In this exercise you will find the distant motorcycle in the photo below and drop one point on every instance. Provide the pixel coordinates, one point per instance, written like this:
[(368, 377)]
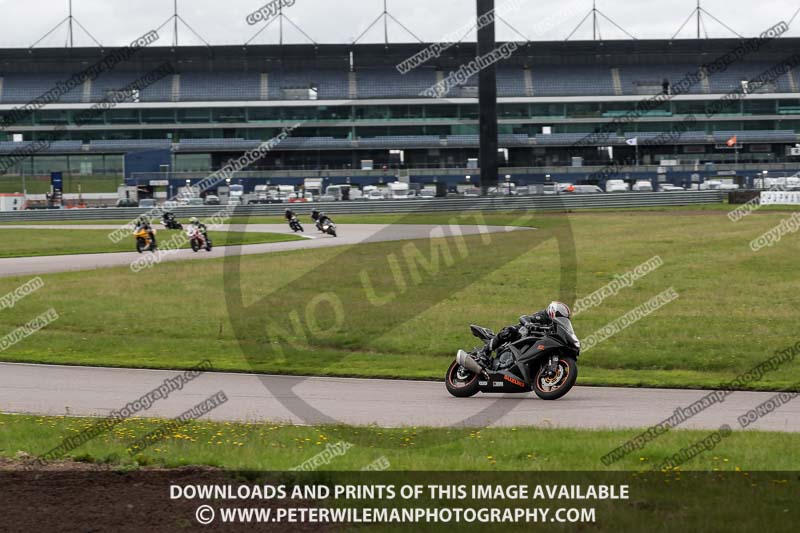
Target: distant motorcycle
[(171, 223), (295, 225), (144, 243), (543, 360), (198, 239), (327, 226)]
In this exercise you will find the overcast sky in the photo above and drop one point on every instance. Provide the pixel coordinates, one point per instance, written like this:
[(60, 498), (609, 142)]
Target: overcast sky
[(117, 22)]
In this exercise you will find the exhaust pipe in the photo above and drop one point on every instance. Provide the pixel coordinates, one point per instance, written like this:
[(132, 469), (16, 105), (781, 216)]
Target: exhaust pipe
[(464, 359)]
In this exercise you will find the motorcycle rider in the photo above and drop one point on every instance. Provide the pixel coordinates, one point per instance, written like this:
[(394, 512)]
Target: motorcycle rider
[(538, 320), (290, 215), (144, 224), (199, 225), (169, 220), (320, 218)]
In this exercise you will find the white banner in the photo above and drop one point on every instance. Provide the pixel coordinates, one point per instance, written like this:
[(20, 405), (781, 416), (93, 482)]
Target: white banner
[(780, 198)]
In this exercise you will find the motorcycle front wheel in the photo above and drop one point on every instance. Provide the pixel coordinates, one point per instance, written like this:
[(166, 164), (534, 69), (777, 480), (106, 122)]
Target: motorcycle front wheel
[(141, 245), (460, 382), (195, 245), (553, 388)]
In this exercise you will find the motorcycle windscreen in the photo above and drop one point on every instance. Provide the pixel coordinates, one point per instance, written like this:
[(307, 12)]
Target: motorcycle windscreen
[(565, 325)]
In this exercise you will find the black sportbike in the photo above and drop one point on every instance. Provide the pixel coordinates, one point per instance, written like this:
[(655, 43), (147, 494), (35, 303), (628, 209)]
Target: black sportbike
[(542, 360), (171, 223), (295, 225)]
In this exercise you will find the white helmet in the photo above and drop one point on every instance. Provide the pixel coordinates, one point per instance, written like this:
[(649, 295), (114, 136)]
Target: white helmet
[(558, 309)]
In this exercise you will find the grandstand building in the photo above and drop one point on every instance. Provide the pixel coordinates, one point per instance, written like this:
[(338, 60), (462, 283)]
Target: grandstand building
[(352, 104)]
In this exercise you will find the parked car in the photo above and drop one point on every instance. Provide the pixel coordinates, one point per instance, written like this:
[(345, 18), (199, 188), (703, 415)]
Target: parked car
[(147, 203), (670, 188), (170, 204), (616, 186), (212, 200), (127, 202), (375, 194), (643, 186)]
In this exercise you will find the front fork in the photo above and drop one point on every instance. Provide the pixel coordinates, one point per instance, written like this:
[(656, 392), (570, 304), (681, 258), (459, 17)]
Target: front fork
[(551, 369)]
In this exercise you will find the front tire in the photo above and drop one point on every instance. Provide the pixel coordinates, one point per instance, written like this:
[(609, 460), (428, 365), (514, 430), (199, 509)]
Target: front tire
[(460, 382), (559, 385), (140, 245), (195, 246)]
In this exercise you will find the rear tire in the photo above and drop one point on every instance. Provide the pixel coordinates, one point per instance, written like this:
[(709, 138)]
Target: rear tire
[(461, 388), (568, 368)]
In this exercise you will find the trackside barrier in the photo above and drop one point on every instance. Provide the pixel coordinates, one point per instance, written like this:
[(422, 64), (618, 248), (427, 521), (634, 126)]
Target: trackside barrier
[(536, 203)]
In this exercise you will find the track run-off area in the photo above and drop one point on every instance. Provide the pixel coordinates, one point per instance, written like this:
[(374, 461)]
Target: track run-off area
[(89, 391)]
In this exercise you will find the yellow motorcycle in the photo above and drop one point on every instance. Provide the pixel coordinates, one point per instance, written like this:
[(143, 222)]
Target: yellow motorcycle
[(144, 243)]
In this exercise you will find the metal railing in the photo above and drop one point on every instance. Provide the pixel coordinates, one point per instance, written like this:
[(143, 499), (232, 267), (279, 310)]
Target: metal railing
[(536, 203)]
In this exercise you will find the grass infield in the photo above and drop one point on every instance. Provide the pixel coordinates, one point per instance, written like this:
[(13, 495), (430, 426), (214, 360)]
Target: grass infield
[(735, 307)]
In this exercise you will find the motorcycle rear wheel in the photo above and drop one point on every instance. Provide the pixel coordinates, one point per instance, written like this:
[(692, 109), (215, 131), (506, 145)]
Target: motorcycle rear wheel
[(458, 387), (561, 384)]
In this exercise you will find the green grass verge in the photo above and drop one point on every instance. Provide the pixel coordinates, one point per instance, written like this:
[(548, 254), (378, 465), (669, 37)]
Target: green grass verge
[(36, 242), (269, 446), (735, 308), (72, 184)]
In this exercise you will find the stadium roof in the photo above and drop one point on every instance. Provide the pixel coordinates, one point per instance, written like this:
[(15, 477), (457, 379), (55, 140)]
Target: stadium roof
[(265, 57)]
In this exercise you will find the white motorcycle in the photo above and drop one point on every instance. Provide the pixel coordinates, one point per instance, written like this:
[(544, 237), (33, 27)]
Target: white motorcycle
[(198, 239)]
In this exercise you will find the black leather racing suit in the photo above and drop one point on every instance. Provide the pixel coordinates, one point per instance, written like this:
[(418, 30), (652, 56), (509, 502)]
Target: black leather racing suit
[(150, 232), (512, 333), (322, 219)]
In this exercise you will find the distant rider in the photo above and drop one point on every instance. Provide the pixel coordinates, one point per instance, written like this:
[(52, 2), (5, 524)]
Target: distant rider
[(538, 320), (144, 224), (320, 218), (169, 219), (290, 215), (199, 225)]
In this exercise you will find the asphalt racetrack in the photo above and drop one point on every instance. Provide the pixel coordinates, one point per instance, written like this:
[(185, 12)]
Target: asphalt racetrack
[(348, 234), (88, 391)]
